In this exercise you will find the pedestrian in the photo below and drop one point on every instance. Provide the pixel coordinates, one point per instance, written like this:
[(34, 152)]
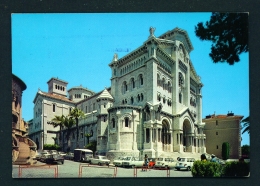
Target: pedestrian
[(145, 161), (213, 158), (203, 157)]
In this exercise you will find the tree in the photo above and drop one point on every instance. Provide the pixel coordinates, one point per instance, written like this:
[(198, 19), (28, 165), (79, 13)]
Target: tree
[(246, 125), (58, 121), (69, 122), (228, 33), (245, 150), (77, 114), (225, 150), (88, 135)]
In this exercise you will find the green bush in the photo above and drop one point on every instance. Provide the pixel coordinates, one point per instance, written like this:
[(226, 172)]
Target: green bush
[(51, 147), (225, 150), (206, 169), (237, 169)]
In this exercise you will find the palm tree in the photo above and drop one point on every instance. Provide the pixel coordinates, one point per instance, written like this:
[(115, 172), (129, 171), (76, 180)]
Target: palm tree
[(246, 125), (58, 121), (69, 122), (77, 114)]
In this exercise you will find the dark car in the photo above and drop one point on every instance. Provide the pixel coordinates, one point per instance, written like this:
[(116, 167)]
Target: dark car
[(43, 157), (69, 156), (54, 158)]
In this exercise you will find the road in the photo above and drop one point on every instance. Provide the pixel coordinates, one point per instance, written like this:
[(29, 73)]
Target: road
[(70, 169)]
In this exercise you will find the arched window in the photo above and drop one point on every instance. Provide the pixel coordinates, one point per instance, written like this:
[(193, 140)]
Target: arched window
[(138, 97), (53, 108), (163, 83), (132, 100), (158, 80), (133, 83), (55, 86), (181, 79), (123, 102), (124, 87), (169, 87), (113, 123), (127, 122), (142, 97), (141, 80), (180, 97)]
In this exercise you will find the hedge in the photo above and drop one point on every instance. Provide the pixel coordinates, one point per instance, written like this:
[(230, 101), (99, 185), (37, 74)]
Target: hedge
[(206, 169), (213, 169), (237, 169)]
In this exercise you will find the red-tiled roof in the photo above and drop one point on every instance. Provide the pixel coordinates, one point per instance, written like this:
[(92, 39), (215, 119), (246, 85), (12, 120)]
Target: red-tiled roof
[(56, 96), (222, 116)]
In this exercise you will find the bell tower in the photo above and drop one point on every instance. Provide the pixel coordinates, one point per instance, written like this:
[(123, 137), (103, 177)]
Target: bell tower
[(57, 86)]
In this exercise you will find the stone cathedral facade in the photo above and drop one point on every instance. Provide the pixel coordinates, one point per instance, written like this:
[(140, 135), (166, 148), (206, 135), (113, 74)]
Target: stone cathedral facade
[(154, 104)]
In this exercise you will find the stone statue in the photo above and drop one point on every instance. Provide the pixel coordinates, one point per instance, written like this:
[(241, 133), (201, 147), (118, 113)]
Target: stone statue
[(152, 29), (115, 57)]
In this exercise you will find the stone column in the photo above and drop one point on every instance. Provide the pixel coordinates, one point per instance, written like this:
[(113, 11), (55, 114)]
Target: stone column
[(145, 135), (118, 145), (151, 135)]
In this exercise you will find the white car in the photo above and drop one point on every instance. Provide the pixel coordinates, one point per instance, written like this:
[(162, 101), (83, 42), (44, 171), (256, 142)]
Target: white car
[(99, 160), (165, 162), (185, 163), (118, 162), (62, 153)]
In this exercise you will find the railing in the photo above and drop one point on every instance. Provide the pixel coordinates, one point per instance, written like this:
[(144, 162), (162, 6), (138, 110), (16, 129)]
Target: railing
[(82, 165), (144, 168), (55, 167)]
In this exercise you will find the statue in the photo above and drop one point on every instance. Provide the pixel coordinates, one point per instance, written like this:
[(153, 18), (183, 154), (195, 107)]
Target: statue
[(115, 57), (152, 29)]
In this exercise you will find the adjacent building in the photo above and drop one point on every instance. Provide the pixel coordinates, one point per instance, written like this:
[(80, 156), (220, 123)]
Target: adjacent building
[(220, 129), (23, 148), (154, 104)]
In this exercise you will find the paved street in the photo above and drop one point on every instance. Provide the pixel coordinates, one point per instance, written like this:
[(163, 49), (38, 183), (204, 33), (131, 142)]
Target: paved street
[(70, 169)]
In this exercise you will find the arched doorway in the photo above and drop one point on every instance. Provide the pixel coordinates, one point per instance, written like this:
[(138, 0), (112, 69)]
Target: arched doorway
[(187, 136), (166, 136)]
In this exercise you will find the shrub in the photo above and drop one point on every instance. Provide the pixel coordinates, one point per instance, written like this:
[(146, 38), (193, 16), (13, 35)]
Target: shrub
[(206, 169), (225, 150), (51, 147), (237, 169)]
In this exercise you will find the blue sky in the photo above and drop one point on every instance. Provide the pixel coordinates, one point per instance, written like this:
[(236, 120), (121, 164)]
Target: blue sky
[(77, 48)]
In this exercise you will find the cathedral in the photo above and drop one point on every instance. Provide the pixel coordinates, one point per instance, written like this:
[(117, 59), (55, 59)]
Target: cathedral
[(153, 106)]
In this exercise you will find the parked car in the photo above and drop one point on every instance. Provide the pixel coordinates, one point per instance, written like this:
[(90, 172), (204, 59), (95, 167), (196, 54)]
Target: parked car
[(62, 153), (53, 152), (165, 162), (99, 160), (69, 156), (40, 153), (54, 158), (118, 162), (185, 163), (132, 162), (43, 157)]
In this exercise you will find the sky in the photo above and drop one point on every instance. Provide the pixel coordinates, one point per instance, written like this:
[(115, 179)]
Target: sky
[(77, 48)]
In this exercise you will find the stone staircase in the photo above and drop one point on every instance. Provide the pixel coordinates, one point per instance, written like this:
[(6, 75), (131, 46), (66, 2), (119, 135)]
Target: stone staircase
[(26, 151)]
